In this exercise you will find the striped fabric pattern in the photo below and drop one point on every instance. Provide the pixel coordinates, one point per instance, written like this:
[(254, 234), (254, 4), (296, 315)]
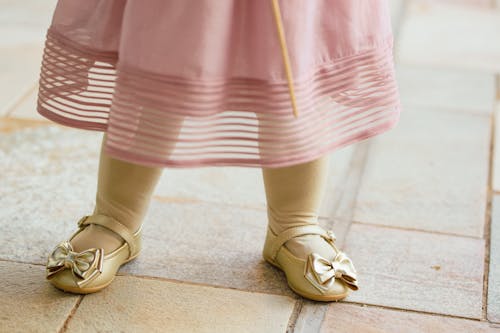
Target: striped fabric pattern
[(160, 120)]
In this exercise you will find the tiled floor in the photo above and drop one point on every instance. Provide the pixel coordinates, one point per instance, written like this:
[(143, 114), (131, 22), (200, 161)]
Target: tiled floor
[(417, 209)]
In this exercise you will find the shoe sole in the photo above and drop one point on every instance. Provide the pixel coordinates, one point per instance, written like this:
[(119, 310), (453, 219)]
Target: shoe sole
[(93, 289), (320, 298)]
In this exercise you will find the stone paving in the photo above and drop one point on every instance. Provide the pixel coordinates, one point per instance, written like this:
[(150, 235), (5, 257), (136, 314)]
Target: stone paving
[(417, 208)]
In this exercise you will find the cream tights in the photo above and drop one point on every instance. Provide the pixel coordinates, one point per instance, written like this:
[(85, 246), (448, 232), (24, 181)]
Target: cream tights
[(294, 195), (124, 191)]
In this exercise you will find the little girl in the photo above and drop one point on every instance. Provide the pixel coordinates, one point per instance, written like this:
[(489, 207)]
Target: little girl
[(275, 84)]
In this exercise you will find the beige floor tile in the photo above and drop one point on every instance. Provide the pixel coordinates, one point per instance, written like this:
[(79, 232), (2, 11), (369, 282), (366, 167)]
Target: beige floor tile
[(11, 124), (49, 177), (348, 318), (397, 11), (417, 270), (475, 3), (231, 185), (133, 304), (496, 151), (29, 303), (498, 88), (311, 316), (24, 21), (244, 186), (212, 244), (23, 26), (26, 107), (450, 35), (494, 268), (48, 180), (430, 173), (450, 89), (20, 67)]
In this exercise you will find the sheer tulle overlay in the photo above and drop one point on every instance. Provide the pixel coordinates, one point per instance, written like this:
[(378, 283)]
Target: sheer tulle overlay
[(186, 83)]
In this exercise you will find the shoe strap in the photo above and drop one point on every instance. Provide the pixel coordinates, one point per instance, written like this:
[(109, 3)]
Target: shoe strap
[(292, 232), (113, 225)]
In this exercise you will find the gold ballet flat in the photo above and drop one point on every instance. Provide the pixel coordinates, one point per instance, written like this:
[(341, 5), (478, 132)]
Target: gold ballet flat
[(91, 270), (316, 278)]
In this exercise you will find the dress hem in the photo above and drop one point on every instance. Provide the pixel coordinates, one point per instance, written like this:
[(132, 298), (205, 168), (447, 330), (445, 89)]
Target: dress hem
[(142, 160), (83, 88)]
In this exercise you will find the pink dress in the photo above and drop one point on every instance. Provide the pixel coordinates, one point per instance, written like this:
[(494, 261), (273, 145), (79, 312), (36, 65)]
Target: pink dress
[(188, 83)]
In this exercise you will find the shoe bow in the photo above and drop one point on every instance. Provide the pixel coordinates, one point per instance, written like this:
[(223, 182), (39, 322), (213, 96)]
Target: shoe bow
[(85, 265), (322, 272)]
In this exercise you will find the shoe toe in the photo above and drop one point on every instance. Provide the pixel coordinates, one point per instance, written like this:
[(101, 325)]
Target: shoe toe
[(294, 270), (91, 270), (64, 280), (316, 275), (337, 288)]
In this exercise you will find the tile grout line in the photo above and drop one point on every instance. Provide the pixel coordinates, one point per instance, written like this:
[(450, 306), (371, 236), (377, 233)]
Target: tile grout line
[(73, 309), (363, 158), (472, 112), (201, 284), (362, 150), (365, 149), (171, 280), (7, 112), (189, 201), (297, 298), (292, 321), (346, 202), (397, 25), (413, 311), (417, 230), (489, 209), (298, 307), (497, 84), (64, 327), (22, 262)]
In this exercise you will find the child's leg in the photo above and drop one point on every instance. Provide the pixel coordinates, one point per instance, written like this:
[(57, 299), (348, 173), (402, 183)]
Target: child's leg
[(294, 196), (123, 191)]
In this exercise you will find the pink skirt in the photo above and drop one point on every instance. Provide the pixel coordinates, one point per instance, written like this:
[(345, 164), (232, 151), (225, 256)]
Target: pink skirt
[(187, 83)]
